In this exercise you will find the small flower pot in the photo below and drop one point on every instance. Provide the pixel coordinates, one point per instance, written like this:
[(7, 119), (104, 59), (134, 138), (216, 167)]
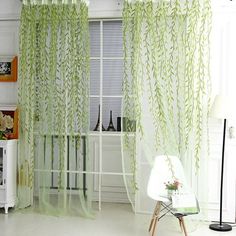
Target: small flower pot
[(171, 192)]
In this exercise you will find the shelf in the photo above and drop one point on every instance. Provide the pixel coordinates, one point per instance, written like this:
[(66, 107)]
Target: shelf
[(93, 133), (105, 133)]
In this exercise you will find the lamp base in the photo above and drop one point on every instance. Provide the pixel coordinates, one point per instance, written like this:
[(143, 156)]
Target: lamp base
[(220, 227)]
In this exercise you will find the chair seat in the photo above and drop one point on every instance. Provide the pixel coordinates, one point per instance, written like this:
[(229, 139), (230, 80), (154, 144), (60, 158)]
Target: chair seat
[(185, 204)]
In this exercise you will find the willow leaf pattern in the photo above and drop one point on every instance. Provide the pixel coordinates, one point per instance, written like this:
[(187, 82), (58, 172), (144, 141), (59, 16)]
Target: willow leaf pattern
[(53, 96), (169, 41)]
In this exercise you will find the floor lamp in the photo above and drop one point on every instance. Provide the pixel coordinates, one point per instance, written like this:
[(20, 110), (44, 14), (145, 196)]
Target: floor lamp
[(220, 110)]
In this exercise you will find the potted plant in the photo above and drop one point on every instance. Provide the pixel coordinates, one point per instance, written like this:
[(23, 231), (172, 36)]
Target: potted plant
[(172, 187)]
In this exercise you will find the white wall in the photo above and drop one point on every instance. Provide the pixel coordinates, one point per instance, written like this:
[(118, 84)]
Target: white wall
[(10, 9), (223, 72), (9, 27), (105, 8)]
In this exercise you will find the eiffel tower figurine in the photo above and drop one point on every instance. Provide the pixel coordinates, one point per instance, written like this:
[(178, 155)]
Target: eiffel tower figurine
[(97, 127), (111, 126)]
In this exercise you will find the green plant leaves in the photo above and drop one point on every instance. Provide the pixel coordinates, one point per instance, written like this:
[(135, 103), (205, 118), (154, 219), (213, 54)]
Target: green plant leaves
[(53, 85), (166, 73)]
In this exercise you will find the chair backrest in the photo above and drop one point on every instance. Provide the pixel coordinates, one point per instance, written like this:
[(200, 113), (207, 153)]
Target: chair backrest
[(161, 173)]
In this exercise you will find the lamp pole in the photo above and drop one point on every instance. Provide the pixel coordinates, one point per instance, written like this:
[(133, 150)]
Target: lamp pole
[(220, 226)]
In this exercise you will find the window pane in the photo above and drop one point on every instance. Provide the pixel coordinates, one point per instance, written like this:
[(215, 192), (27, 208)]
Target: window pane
[(112, 39), (94, 107), (112, 71), (94, 77), (112, 77), (114, 105), (94, 29)]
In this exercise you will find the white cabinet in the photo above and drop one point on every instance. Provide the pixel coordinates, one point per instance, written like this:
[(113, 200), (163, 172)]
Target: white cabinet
[(8, 160)]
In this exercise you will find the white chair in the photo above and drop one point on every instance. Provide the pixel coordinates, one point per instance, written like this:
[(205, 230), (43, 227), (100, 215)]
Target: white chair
[(167, 168)]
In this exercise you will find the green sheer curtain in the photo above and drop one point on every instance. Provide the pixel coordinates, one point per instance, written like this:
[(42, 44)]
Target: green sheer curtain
[(53, 107), (166, 82)]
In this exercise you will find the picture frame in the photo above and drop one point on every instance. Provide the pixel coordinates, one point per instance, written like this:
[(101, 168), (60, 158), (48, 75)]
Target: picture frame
[(8, 69), (9, 112)]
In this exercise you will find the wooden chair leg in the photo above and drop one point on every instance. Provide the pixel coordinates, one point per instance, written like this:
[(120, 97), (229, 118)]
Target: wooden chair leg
[(154, 226), (183, 226), (154, 219), (151, 225)]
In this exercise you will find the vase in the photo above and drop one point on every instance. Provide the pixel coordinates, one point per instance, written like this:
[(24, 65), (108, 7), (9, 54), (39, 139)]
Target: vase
[(118, 127), (170, 192), (121, 121), (97, 127), (111, 126)]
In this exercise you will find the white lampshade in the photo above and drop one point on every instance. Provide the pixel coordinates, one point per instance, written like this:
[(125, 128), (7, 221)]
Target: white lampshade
[(221, 108)]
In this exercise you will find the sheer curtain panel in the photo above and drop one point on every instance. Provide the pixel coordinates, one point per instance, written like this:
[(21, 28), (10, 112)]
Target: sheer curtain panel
[(166, 85), (53, 107)]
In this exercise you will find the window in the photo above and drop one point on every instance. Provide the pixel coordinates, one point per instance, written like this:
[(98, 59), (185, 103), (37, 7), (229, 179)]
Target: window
[(106, 56), (106, 63)]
